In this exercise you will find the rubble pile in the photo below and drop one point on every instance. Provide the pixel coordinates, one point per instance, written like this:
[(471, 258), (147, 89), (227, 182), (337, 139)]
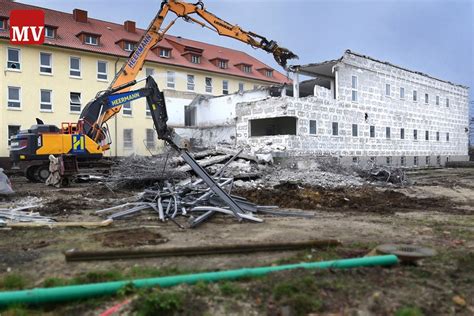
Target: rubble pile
[(20, 214)]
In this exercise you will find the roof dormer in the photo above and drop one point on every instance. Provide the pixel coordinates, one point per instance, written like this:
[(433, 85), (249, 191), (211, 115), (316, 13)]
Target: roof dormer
[(127, 45), (89, 38), (220, 62), (267, 72), (247, 68)]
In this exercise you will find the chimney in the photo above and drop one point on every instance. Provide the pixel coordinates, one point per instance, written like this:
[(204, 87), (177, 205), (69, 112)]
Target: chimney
[(80, 15), (129, 26)]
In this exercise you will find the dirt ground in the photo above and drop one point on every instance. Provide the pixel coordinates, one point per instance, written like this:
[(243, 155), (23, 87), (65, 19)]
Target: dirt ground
[(436, 210)]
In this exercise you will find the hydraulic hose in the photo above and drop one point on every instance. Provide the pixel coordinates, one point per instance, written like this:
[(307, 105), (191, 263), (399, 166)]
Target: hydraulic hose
[(74, 292)]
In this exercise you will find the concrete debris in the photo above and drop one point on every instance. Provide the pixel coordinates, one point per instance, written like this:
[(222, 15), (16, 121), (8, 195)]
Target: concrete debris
[(384, 174)]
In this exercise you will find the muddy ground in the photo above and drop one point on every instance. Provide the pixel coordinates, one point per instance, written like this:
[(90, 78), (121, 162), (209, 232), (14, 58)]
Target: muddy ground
[(436, 210)]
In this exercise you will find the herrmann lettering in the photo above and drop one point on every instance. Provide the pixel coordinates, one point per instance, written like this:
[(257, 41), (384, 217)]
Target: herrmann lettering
[(124, 99), (139, 51)]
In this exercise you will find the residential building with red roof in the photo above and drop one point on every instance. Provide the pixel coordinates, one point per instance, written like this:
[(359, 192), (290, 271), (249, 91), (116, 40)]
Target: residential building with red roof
[(80, 57)]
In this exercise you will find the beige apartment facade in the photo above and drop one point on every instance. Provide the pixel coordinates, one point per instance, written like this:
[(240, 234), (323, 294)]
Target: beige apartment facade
[(80, 57)]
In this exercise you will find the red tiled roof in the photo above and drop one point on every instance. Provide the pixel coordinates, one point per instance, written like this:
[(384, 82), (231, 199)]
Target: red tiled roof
[(111, 33)]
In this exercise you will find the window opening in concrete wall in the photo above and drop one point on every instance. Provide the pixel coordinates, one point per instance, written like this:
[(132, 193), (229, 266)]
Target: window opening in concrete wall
[(415, 96), (354, 89), (355, 159), (372, 131), (387, 132), (447, 137), (402, 133), (428, 160), (389, 160), (335, 128), (312, 127), (427, 98), (447, 102), (438, 160), (354, 130), (415, 134), (402, 93), (415, 161), (403, 161), (285, 125), (387, 90), (437, 136), (427, 135), (189, 115), (437, 100)]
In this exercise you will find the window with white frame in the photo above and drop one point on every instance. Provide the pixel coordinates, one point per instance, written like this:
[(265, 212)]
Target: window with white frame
[(75, 102), (91, 40), (312, 127), (102, 70), (46, 64), (223, 64), (14, 98), (150, 138), (12, 131), (3, 24), (225, 87), (354, 85), (13, 59), (165, 53), (128, 138), (402, 93), (247, 68), (241, 87), (437, 100), (388, 90), (49, 32), (127, 109), (74, 67), (170, 79), (208, 84), (195, 59), (190, 82), (268, 73), (149, 72), (46, 103), (129, 46)]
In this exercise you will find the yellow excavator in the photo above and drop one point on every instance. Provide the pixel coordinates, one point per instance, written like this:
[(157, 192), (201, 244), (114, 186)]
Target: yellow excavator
[(87, 139)]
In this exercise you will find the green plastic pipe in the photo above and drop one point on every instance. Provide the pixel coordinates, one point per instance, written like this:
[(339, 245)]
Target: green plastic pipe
[(74, 292)]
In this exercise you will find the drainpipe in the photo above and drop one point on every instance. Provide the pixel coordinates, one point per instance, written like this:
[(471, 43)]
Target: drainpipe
[(115, 117)]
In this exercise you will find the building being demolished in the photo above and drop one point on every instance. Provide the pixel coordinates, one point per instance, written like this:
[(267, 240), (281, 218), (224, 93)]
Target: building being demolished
[(355, 107)]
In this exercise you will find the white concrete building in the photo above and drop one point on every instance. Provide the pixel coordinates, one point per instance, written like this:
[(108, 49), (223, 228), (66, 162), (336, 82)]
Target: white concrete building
[(356, 108), (360, 108)]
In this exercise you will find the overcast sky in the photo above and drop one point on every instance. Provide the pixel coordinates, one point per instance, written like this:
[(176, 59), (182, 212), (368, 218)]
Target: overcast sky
[(431, 36)]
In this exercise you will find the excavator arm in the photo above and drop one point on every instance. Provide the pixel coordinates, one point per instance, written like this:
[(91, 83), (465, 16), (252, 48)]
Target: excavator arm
[(96, 114)]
